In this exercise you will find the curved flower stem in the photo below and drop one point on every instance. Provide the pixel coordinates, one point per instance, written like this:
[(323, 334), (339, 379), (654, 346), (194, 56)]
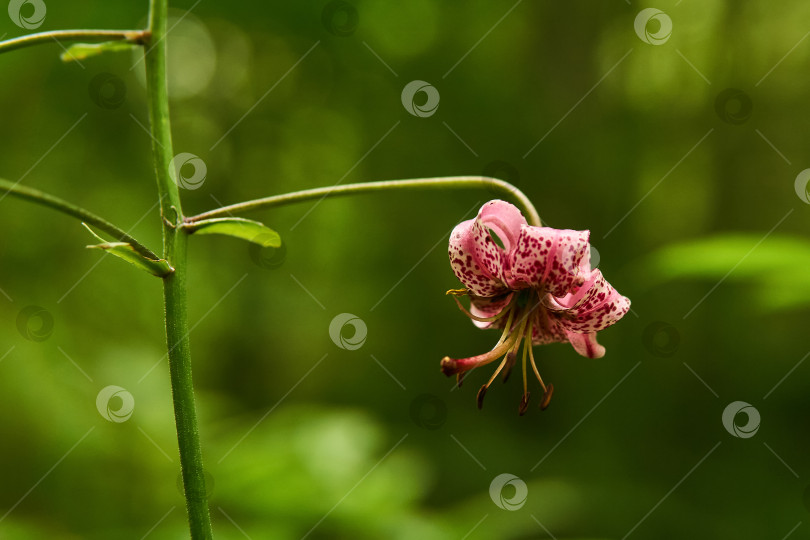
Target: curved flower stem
[(174, 284), (440, 183), (44, 199), (134, 36)]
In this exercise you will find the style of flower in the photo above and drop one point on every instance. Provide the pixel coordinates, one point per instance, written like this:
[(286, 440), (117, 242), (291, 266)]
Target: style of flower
[(535, 283)]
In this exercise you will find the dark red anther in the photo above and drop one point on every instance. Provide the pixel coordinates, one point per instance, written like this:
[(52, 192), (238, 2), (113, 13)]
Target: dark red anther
[(459, 379), (524, 403), (481, 393), (546, 397)]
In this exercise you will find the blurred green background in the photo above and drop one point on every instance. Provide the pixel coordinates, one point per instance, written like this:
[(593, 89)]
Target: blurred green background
[(687, 189)]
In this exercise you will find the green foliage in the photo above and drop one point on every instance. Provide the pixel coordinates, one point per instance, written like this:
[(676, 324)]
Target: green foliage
[(246, 229), (776, 268), (125, 251), (81, 51)]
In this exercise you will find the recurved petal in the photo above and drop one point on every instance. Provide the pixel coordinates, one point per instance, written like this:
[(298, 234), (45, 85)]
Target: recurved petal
[(586, 344), (476, 259), (504, 219), (548, 259), (489, 307), (594, 307), (585, 262), (593, 285)]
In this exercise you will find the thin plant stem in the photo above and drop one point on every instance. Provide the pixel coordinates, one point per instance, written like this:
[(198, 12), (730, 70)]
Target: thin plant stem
[(441, 183), (44, 199), (174, 284), (133, 36)]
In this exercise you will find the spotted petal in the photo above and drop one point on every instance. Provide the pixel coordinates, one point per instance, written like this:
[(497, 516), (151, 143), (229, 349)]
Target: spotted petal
[(464, 260), (546, 329), (593, 307), (489, 307), (586, 344), (477, 260), (553, 330), (504, 219), (548, 259)]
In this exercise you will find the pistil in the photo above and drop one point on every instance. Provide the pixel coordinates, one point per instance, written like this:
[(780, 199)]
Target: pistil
[(520, 312)]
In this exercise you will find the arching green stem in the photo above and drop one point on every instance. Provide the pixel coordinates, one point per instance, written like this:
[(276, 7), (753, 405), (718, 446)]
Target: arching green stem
[(441, 183), (133, 36)]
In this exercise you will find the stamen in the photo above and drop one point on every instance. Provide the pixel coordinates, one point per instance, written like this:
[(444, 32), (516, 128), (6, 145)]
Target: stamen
[(507, 329), (506, 361), (523, 362), (534, 365), (524, 403), (510, 363), (547, 391), (476, 317), (481, 393), (546, 397), (513, 354)]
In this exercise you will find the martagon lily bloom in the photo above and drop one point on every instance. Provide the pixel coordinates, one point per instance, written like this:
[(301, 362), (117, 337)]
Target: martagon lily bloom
[(535, 283)]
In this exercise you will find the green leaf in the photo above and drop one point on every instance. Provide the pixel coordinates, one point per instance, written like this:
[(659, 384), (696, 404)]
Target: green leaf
[(246, 229), (775, 269), (80, 51), (125, 251)]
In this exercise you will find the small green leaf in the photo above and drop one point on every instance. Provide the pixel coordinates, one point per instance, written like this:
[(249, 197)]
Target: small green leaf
[(246, 229), (80, 51), (125, 251)]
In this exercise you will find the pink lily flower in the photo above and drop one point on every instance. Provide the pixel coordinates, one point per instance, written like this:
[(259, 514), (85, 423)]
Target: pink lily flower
[(535, 283)]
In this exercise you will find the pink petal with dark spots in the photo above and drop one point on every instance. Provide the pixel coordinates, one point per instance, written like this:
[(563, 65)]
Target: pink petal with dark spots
[(477, 260), (503, 218), (594, 307), (548, 259), (546, 329), (585, 262), (489, 307), (585, 295), (466, 254), (586, 345)]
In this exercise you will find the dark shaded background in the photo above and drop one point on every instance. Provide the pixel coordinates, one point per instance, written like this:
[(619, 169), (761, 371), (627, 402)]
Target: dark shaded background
[(687, 189)]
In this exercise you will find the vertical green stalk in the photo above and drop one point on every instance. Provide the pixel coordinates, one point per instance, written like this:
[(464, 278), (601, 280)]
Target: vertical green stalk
[(174, 285)]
